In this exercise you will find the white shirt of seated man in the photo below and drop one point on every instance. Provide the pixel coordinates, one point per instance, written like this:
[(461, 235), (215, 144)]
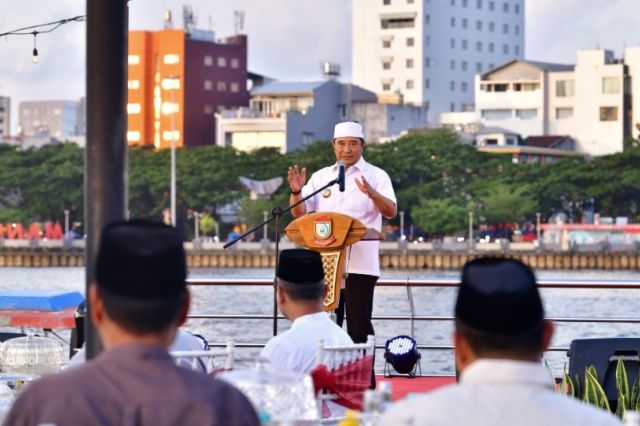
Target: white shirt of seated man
[(184, 341), (299, 293)]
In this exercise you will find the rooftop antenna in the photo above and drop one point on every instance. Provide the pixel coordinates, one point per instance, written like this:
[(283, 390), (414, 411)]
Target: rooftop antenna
[(188, 18), (330, 70), (168, 21), (238, 21)]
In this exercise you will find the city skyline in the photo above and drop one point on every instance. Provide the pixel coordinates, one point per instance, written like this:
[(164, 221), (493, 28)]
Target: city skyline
[(294, 30)]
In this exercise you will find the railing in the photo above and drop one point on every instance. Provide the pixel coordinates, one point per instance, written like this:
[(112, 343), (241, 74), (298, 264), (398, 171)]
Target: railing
[(410, 283)]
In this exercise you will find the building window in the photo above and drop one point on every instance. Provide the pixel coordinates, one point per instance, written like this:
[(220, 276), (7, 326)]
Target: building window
[(492, 26), (516, 49), (478, 66), (386, 44), (479, 4), (427, 40), (492, 5), (386, 87), (170, 108), (453, 2), (525, 87), (169, 135), (516, 29), (133, 84), (505, 28), (491, 47), (452, 107), (516, 9), (452, 64), (479, 46), (133, 136), (410, 41), (564, 113), (409, 84), (427, 20), (452, 86), (565, 88), (465, 23), (409, 1), (505, 49), (235, 63), (400, 22), (464, 65), (610, 85), (208, 61), (427, 62), (208, 109), (453, 21), (235, 87), (170, 83), (221, 86), (464, 86), (479, 25), (464, 44), (386, 65), (453, 43), (409, 63), (495, 114), (505, 7), (133, 108), (171, 59), (386, 2), (208, 85), (608, 113), (427, 83), (222, 61), (133, 59), (465, 3), (526, 114)]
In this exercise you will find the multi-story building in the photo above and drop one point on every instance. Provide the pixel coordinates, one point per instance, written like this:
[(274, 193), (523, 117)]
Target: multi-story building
[(596, 101), (430, 50), (5, 117), (290, 115), (177, 80), (48, 119)]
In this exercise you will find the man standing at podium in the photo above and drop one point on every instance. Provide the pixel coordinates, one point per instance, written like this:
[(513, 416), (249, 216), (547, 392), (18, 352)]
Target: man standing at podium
[(368, 195)]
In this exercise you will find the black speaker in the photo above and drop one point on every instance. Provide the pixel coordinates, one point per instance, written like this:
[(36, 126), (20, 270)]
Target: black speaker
[(604, 355)]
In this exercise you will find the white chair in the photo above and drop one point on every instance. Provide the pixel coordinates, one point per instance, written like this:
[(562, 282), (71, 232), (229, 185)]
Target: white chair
[(209, 362), (343, 373)]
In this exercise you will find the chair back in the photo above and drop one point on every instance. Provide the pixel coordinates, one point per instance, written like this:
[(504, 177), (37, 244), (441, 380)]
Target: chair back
[(209, 362)]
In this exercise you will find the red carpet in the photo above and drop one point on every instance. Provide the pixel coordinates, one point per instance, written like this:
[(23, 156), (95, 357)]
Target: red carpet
[(401, 386)]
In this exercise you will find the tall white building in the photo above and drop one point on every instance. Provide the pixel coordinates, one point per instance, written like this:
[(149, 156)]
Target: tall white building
[(5, 117), (430, 50)]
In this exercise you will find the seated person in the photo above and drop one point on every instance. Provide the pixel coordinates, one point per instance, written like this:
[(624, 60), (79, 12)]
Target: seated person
[(300, 291), (138, 301), (499, 338)]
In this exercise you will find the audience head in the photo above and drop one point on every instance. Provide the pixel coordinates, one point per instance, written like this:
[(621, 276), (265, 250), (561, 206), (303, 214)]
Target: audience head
[(499, 311), (300, 277), (141, 276)]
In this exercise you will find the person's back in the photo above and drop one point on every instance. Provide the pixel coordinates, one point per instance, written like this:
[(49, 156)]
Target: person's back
[(500, 335), (132, 385), (137, 302)]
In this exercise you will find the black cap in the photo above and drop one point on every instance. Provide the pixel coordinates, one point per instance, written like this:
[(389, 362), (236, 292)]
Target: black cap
[(141, 259), (300, 266), (500, 296)]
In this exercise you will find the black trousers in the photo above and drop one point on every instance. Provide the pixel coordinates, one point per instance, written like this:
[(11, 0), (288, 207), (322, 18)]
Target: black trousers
[(358, 298)]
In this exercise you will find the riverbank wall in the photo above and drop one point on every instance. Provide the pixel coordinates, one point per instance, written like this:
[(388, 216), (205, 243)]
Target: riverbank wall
[(389, 258)]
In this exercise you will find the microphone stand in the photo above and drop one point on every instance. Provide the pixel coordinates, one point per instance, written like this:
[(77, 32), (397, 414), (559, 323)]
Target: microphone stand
[(276, 214)]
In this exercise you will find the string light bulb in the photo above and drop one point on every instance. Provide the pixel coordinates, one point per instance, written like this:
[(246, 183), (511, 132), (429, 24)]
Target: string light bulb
[(35, 49)]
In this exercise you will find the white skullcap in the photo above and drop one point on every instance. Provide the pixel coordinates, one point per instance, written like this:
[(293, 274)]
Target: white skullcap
[(348, 129)]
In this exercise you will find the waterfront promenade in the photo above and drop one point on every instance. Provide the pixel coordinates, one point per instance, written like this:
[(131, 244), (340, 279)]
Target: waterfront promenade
[(28, 253)]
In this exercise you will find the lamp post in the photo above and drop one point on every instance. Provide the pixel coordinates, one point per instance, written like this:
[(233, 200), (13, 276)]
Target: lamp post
[(196, 220), (402, 242), (470, 230), (538, 227), (66, 224)]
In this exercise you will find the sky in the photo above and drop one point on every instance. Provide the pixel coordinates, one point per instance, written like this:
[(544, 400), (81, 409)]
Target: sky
[(288, 39)]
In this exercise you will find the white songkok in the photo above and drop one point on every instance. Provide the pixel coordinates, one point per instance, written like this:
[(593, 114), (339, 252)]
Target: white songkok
[(348, 129)]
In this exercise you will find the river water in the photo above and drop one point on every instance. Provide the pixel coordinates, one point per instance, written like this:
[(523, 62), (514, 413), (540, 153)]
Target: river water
[(587, 303)]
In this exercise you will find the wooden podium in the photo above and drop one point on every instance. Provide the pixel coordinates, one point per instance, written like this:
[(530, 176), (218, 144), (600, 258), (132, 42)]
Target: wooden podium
[(330, 234)]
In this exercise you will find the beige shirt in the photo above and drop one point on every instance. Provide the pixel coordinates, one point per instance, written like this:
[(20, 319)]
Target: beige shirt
[(131, 385)]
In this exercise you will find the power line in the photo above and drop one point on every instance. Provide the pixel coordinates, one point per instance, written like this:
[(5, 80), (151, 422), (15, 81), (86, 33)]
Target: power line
[(48, 27)]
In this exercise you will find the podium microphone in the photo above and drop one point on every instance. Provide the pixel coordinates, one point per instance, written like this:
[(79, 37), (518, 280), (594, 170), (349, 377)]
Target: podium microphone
[(341, 175)]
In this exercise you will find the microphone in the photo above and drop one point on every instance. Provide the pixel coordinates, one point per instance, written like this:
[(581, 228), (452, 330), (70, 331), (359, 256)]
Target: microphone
[(341, 175)]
